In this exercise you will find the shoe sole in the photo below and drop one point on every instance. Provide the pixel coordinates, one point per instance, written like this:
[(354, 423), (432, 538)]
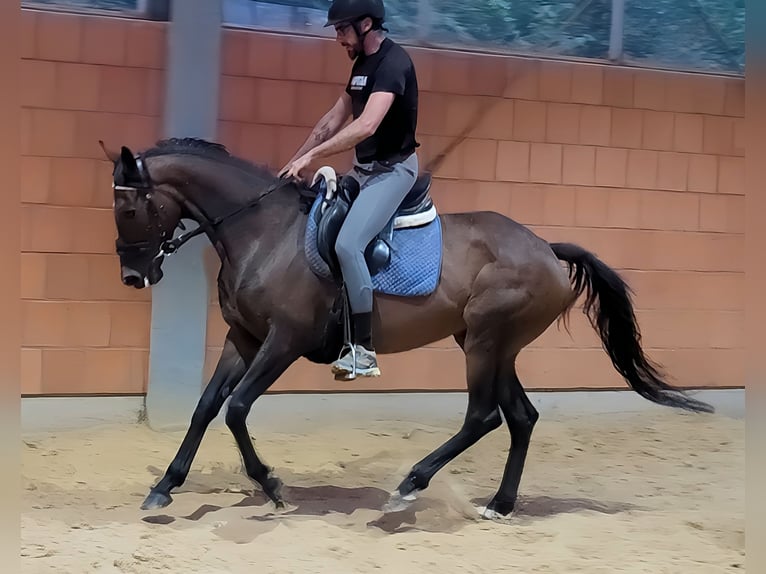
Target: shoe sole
[(374, 372)]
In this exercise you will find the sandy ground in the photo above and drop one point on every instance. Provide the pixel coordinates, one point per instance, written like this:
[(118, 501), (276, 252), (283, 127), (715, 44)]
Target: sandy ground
[(654, 493)]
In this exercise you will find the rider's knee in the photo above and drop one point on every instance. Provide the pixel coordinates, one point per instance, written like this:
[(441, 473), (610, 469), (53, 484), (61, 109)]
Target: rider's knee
[(345, 247)]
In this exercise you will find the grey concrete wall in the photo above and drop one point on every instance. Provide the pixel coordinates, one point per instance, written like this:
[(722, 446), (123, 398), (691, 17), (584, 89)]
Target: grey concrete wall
[(291, 412)]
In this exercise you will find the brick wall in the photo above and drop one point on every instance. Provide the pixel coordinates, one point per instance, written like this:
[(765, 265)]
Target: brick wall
[(83, 79), (646, 168)]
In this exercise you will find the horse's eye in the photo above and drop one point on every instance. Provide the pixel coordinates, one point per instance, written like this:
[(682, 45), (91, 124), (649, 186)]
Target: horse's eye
[(130, 213)]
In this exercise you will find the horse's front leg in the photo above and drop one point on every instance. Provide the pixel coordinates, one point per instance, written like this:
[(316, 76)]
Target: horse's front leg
[(229, 371), (273, 359)]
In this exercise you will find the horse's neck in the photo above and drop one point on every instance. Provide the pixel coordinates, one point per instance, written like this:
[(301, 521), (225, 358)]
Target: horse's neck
[(214, 195), (225, 195)]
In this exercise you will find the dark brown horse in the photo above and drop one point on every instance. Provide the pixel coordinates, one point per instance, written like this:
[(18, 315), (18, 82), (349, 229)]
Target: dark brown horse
[(500, 287)]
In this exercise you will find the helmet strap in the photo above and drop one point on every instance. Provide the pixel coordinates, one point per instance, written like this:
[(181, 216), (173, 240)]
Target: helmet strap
[(356, 24)]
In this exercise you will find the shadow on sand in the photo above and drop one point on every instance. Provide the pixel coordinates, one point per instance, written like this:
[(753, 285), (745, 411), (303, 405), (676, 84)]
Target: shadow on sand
[(360, 507), (547, 506)]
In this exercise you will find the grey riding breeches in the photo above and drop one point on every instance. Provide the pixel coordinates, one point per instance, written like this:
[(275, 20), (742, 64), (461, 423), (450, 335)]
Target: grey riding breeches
[(381, 193)]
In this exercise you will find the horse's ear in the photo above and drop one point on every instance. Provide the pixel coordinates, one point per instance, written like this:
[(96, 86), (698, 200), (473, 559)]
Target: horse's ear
[(128, 160), (111, 154)]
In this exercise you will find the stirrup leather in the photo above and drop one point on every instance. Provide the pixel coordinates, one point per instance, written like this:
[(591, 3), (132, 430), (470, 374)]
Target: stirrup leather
[(348, 348)]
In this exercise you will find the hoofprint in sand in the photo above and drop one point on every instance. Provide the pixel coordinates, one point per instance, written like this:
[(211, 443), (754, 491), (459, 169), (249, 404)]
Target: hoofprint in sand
[(659, 492)]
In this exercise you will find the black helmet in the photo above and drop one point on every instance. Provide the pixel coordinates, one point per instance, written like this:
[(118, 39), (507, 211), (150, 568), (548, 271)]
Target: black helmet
[(352, 10)]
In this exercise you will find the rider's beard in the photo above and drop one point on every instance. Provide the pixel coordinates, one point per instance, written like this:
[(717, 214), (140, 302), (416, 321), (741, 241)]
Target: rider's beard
[(353, 53), (353, 50)]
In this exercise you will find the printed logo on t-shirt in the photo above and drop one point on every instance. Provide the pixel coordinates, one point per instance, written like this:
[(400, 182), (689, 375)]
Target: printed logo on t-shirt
[(358, 82)]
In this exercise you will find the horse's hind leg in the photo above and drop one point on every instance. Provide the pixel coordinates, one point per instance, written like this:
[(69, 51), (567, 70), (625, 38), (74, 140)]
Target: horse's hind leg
[(482, 416), (521, 416), (228, 372)]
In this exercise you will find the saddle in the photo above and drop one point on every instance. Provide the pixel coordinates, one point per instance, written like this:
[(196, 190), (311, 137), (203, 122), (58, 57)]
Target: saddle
[(338, 195)]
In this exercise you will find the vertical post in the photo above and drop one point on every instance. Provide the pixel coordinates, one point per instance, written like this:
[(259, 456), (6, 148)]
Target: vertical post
[(153, 9), (616, 32), (10, 304), (755, 283), (180, 300)]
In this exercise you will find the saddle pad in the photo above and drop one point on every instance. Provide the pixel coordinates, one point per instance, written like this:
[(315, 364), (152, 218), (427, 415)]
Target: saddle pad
[(416, 257)]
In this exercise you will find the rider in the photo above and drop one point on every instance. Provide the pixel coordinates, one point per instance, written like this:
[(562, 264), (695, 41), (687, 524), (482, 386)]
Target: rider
[(382, 96)]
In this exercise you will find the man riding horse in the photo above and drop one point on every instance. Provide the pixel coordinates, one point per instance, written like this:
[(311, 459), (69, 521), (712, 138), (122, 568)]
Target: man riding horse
[(382, 96), (495, 286)]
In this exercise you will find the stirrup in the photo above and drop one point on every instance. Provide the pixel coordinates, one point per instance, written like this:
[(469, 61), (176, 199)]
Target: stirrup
[(346, 376), (347, 345), (349, 350), (350, 368)]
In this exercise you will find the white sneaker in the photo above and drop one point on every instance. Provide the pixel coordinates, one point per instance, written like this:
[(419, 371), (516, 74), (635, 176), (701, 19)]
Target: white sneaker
[(366, 363)]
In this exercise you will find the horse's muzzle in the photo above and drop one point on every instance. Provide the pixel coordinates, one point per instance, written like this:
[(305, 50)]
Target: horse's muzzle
[(132, 278)]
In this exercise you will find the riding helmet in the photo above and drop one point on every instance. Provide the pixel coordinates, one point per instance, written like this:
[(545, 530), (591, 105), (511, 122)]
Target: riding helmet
[(353, 10)]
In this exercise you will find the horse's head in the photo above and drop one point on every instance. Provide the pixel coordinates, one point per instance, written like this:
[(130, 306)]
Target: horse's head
[(146, 214)]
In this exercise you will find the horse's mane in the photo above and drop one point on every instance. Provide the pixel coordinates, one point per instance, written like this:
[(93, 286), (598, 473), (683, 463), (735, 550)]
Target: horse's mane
[(210, 150), (216, 151)]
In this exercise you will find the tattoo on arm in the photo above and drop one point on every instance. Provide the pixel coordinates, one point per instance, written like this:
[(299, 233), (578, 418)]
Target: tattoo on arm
[(322, 132), (318, 135)]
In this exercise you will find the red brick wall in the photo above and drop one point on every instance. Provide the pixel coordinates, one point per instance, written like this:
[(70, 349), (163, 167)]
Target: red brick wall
[(83, 79), (646, 168)]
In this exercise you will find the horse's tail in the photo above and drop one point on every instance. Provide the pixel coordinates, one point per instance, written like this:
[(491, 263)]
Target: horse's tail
[(609, 307)]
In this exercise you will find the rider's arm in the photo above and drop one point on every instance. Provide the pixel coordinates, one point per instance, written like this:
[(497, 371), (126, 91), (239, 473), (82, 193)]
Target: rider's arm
[(327, 126), (360, 129)]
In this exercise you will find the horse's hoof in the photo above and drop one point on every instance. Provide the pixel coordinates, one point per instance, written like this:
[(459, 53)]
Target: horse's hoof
[(156, 500), (273, 489), (398, 501), (282, 508), (490, 514), (501, 511)]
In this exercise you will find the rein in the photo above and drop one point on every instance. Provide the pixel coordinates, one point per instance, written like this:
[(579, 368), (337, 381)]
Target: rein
[(172, 245), (206, 224)]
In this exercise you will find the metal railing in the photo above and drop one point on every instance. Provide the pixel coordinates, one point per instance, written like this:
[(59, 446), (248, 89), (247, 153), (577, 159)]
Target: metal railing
[(704, 35)]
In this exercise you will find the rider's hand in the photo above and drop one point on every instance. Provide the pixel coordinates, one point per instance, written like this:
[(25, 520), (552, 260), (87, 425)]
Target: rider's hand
[(295, 168), (283, 171)]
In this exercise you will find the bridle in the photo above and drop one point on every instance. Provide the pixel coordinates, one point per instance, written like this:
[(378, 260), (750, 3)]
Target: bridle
[(146, 186), (206, 224)]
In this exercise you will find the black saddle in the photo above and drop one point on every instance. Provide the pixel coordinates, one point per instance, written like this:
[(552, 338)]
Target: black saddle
[(415, 210)]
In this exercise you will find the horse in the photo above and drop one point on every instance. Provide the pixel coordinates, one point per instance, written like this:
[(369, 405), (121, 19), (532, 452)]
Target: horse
[(479, 277)]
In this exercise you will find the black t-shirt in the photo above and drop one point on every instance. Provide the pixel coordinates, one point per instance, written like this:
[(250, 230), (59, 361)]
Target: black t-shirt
[(390, 69)]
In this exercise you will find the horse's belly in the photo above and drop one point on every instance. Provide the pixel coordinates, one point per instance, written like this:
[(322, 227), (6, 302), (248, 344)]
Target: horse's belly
[(410, 323)]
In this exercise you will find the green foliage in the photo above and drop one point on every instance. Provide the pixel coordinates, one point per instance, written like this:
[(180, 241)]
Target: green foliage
[(689, 34), (570, 27), (701, 34)]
